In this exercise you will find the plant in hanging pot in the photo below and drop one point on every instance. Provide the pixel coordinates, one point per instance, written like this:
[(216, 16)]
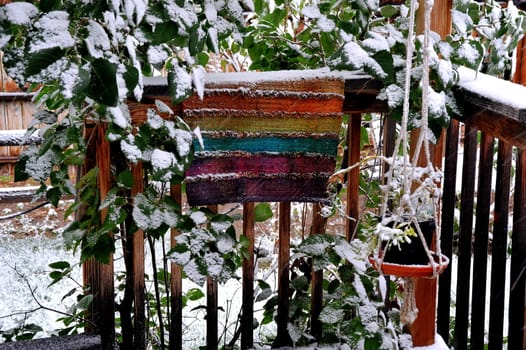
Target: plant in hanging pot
[(405, 230)]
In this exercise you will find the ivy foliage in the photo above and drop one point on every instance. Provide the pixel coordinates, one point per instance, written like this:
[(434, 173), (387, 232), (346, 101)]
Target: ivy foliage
[(368, 36), (85, 58)]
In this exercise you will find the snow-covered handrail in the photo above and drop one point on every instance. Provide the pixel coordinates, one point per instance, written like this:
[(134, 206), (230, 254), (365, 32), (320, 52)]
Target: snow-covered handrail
[(17, 138), (497, 95), (494, 106)]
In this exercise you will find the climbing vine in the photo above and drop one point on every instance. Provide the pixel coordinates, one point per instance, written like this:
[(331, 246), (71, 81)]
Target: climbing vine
[(86, 58)]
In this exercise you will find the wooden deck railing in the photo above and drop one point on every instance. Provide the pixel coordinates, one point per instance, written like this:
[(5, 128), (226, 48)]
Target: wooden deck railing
[(495, 118), (494, 123)]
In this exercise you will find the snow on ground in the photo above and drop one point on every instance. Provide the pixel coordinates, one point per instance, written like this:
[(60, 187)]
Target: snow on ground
[(24, 267)]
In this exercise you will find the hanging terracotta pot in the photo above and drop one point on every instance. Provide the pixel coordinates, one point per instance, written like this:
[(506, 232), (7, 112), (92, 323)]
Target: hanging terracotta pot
[(394, 269)]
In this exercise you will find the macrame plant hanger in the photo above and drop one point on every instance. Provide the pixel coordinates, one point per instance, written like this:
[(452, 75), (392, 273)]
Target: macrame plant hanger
[(409, 311)]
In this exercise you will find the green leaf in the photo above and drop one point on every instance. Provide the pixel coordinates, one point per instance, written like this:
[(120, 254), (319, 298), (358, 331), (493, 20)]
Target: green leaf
[(103, 83), (195, 42), (267, 319), (164, 32), (388, 11), (42, 59), (131, 77), (264, 294), (259, 6), (60, 265), (385, 60), (195, 294), (56, 275), (262, 212), (331, 315), (85, 302), (53, 195), (202, 58), (300, 283), (372, 343), (125, 179), (49, 5)]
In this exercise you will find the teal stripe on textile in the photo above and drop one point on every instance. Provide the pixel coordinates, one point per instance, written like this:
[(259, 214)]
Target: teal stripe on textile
[(325, 146)]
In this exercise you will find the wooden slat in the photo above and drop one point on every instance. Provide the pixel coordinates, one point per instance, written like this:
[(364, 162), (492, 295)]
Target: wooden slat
[(466, 226), (516, 338), (137, 272), (317, 227), (353, 177), (212, 307), (247, 317), (447, 227), (14, 114), (105, 271), (176, 286), (282, 337), (480, 246), (88, 270), (211, 314), (389, 142), (4, 151), (499, 246)]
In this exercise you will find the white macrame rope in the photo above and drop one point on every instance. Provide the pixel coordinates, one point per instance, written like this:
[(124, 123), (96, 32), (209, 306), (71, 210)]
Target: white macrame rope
[(422, 142), (402, 137), (408, 310)]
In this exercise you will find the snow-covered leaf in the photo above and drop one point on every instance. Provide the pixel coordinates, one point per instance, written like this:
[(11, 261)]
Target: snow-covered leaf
[(330, 315)]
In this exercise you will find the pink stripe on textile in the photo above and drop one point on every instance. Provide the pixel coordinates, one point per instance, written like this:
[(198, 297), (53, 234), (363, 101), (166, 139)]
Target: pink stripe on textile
[(260, 164)]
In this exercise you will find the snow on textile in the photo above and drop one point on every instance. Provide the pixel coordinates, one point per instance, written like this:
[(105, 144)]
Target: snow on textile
[(267, 137)]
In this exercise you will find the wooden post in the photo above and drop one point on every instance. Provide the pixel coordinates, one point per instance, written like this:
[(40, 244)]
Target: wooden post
[(499, 246), (103, 286), (176, 286), (467, 196), (353, 177), (282, 337), (317, 227), (480, 246), (139, 328), (517, 318), (211, 307), (516, 336), (247, 316), (448, 219)]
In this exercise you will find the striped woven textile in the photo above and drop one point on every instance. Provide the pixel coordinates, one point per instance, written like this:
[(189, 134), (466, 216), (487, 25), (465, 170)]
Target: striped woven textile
[(267, 137)]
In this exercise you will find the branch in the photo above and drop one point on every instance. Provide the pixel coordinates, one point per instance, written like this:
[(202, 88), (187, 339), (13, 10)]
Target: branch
[(42, 306)]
